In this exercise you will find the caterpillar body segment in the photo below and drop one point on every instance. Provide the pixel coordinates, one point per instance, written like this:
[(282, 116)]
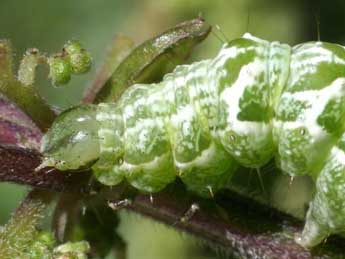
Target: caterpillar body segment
[(310, 115), (254, 101), (327, 210), (74, 142), (166, 133)]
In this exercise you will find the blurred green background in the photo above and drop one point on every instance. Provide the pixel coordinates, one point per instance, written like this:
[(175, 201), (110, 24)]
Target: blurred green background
[(48, 24)]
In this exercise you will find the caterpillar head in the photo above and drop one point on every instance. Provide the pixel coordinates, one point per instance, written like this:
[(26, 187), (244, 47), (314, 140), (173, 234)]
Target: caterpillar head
[(72, 142)]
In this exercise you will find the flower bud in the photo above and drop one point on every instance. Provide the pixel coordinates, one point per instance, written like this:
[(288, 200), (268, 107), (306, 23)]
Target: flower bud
[(80, 58), (60, 70)]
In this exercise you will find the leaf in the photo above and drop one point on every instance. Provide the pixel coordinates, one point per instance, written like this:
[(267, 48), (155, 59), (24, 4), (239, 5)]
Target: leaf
[(25, 97), (118, 50), (154, 58), (16, 127)]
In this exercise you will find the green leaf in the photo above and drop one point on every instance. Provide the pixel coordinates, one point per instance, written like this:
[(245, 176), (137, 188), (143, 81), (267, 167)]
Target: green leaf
[(118, 50), (155, 57)]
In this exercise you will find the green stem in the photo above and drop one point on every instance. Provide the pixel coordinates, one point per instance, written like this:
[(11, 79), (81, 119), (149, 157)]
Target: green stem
[(19, 232), (25, 97), (28, 64), (5, 62)]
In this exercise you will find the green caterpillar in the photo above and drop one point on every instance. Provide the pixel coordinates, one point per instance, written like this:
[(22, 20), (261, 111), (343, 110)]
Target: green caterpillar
[(254, 101)]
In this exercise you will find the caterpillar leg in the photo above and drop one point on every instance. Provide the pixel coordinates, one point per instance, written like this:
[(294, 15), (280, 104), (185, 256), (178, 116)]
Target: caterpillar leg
[(327, 210)]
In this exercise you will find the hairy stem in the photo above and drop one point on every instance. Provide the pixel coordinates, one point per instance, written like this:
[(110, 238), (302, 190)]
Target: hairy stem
[(25, 97), (19, 232), (238, 225)]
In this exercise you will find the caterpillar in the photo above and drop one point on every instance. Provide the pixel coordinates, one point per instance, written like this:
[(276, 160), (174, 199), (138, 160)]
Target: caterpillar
[(256, 100)]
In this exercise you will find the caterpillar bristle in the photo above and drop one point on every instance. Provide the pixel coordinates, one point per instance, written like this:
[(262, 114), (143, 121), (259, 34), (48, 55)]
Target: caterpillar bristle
[(209, 188)]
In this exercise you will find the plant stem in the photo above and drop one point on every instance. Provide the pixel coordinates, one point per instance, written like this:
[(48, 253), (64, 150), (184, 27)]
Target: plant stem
[(19, 232)]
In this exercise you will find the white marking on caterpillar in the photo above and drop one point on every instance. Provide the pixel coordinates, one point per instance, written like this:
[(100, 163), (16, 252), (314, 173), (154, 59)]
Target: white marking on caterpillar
[(232, 95), (317, 101)]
